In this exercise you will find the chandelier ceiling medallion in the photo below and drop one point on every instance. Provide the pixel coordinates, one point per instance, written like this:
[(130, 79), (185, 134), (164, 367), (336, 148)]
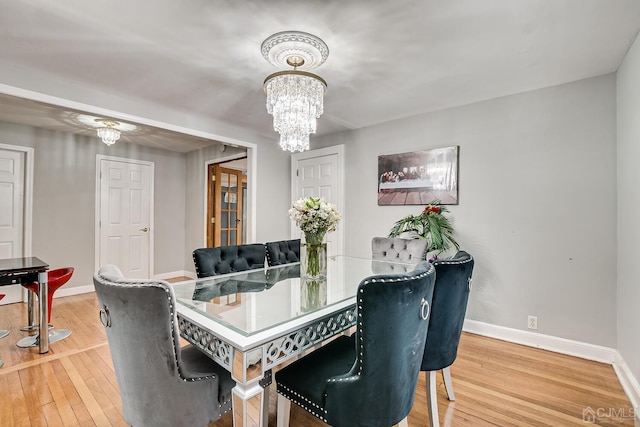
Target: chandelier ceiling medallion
[(108, 132), (295, 97)]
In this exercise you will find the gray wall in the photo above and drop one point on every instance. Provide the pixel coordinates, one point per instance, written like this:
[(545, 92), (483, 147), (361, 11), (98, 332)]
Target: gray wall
[(64, 198), (272, 194), (537, 202), (629, 208)]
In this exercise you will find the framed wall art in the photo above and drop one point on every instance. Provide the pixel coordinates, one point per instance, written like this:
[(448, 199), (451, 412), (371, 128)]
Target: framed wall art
[(419, 177)]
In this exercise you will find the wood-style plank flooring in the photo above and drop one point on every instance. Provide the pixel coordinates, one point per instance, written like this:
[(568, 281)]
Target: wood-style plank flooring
[(496, 383)]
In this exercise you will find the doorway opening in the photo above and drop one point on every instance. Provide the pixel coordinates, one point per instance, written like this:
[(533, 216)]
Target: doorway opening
[(227, 203)]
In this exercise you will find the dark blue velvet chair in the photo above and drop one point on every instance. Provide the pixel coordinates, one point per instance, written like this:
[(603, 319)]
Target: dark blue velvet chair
[(228, 259), (283, 252), (450, 297), (369, 378)]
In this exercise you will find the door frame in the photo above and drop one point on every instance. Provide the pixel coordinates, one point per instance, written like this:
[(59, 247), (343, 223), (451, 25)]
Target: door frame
[(252, 162), (99, 159), (214, 196), (27, 214), (322, 152)]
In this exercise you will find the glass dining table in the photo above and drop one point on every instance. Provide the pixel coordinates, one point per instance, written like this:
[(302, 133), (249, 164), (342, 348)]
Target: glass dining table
[(253, 321)]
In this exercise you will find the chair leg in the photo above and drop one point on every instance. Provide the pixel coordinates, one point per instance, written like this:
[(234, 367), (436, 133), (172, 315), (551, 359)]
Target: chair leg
[(432, 398), (284, 409), (448, 385)]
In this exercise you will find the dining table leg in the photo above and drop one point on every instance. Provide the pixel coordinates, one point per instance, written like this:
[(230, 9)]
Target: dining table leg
[(248, 404), (251, 393), (41, 339)]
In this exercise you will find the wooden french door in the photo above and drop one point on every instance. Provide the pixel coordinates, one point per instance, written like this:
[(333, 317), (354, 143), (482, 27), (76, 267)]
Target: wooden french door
[(224, 206)]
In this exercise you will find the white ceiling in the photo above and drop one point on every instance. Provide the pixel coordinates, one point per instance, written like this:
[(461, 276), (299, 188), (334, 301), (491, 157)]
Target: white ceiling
[(388, 59)]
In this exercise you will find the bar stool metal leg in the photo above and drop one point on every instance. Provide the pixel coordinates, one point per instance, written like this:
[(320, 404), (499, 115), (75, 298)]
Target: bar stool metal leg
[(47, 284), (32, 313), (32, 324)]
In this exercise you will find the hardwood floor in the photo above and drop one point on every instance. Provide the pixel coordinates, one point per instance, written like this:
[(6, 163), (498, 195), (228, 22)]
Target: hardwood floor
[(496, 383)]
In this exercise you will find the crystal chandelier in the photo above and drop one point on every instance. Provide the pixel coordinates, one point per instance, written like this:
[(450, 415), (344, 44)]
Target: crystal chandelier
[(295, 98), (108, 133)]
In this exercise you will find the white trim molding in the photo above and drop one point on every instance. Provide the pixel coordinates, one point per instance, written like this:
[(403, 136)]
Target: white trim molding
[(27, 215), (75, 290), (629, 383), (546, 342)]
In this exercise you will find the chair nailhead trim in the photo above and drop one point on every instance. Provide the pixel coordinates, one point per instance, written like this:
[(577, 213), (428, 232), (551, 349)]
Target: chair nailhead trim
[(303, 402)]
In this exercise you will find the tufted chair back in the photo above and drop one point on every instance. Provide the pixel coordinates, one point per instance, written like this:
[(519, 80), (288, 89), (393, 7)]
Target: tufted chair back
[(405, 252), (161, 383), (283, 252), (228, 259), (397, 249)]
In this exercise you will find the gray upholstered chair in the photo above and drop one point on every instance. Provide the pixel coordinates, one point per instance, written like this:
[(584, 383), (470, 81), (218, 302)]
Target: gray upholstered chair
[(228, 259), (369, 378), (404, 252), (283, 252), (161, 383), (450, 297)]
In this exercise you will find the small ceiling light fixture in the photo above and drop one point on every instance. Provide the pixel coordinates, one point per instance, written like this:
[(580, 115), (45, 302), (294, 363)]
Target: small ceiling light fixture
[(108, 132), (294, 97)]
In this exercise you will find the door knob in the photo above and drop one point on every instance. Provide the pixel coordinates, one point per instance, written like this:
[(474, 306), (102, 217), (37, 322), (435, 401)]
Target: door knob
[(144, 229)]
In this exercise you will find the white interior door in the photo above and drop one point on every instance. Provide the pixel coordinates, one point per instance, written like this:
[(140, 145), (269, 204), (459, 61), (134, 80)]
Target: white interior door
[(12, 185), (319, 173), (125, 223)]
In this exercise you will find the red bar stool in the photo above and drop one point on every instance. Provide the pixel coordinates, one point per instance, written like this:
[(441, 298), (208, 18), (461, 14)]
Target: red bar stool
[(55, 279), (3, 333)]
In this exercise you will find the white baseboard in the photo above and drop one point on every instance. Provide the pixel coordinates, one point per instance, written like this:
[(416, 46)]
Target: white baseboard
[(172, 274), (546, 342), (76, 290), (564, 346), (628, 381)]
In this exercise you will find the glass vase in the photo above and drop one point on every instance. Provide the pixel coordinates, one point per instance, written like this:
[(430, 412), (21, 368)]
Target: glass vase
[(313, 294), (313, 257)]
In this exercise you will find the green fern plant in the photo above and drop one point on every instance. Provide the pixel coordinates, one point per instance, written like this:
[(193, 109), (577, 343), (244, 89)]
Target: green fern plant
[(430, 225)]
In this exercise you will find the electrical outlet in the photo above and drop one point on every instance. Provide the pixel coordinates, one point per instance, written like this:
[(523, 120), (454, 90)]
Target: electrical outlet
[(532, 322)]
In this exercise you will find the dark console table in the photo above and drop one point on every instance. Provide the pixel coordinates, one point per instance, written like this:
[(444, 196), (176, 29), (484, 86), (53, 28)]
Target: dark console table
[(19, 271)]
